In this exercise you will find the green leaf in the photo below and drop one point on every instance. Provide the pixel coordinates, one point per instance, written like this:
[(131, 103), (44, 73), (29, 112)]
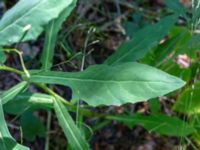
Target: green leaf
[(195, 13), (113, 85), (13, 92), (154, 106), (26, 20), (172, 47), (73, 134), (177, 7), (32, 126), (28, 102), (51, 36), (189, 101), (6, 140), (143, 40), (160, 123), (193, 44), (2, 57)]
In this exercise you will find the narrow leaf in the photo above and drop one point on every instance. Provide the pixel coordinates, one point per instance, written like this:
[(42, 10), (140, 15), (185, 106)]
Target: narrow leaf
[(28, 101), (51, 36), (143, 40), (26, 20), (160, 123), (189, 100), (177, 7), (11, 93), (195, 13), (2, 57), (114, 85), (73, 134), (6, 140)]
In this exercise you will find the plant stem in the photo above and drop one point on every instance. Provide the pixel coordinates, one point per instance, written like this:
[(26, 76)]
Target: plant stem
[(21, 60), (51, 92), (10, 69), (69, 106), (48, 129)]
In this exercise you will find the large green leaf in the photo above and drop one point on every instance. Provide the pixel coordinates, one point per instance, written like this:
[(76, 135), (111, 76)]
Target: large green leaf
[(6, 140), (28, 102), (115, 84), (14, 91), (160, 123), (143, 40), (35, 14), (189, 100), (73, 134), (51, 36)]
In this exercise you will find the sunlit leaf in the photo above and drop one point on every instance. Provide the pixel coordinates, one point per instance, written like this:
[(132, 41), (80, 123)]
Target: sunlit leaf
[(113, 85)]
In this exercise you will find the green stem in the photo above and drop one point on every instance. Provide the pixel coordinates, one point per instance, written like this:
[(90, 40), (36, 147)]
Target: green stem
[(48, 130), (10, 69), (69, 106), (21, 59)]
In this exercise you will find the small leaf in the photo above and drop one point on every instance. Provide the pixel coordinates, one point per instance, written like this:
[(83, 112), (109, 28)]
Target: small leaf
[(14, 91), (113, 85), (31, 126), (51, 36), (2, 57), (6, 140), (160, 123), (73, 134), (143, 40), (26, 20)]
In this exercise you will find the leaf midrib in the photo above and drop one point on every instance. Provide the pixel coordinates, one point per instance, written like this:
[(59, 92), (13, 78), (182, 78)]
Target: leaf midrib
[(98, 80)]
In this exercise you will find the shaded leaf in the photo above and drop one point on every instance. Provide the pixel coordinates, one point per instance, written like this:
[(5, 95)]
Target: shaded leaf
[(6, 140), (189, 101), (160, 123), (177, 7), (28, 102), (31, 126), (195, 13), (14, 91), (2, 57), (143, 40)]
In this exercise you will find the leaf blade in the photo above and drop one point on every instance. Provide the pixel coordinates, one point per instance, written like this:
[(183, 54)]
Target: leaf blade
[(51, 36), (160, 123), (137, 47), (7, 142), (12, 92), (71, 131), (114, 85), (24, 14)]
